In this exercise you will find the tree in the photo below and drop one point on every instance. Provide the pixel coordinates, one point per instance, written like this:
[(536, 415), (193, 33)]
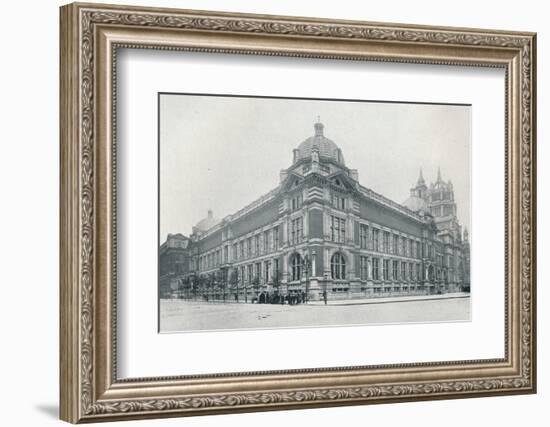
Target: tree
[(234, 282), (185, 285), (276, 280), (256, 283), (203, 285)]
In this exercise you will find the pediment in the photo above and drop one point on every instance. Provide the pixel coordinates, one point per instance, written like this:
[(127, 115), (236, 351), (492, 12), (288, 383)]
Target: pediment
[(342, 181), (292, 181)]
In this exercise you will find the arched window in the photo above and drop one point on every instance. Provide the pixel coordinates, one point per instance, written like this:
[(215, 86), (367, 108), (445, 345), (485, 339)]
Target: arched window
[(296, 266), (338, 266)]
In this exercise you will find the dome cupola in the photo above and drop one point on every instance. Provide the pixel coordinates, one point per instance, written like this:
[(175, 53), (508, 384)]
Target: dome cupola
[(325, 147)]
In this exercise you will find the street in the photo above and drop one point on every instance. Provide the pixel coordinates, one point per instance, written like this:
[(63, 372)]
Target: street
[(180, 315)]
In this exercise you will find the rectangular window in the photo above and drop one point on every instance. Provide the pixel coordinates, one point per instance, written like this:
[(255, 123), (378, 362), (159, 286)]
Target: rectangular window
[(364, 268), (258, 270), (267, 272), (394, 271), (338, 229), (276, 269), (363, 236), (338, 202), (375, 269), (396, 244), (376, 239), (386, 269), (226, 254), (403, 271), (363, 231), (417, 272), (257, 244), (296, 201), (418, 252), (250, 273), (296, 230), (276, 238), (386, 242), (266, 242)]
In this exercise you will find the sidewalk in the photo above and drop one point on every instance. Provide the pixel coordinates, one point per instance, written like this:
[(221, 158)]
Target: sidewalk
[(382, 300)]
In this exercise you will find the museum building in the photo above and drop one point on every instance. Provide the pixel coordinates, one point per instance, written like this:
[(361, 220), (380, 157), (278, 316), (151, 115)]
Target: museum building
[(321, 231)]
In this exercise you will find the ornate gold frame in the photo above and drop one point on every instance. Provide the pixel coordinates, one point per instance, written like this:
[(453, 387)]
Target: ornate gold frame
[(90, 35)]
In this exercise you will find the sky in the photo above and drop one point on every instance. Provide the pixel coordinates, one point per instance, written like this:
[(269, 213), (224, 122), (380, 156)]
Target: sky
[(222, 153)]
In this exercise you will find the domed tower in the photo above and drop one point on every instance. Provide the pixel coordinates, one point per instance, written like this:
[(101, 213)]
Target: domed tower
[(418, 200), (319, 143), (318, 154), (205, 224)]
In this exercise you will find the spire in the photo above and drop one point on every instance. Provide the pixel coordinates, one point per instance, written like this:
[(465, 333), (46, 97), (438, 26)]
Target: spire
[(420, 181), (318, 127), (439, 175), (210, 213)]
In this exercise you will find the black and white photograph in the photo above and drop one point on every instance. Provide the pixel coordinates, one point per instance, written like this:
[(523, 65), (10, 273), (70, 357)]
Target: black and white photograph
[(289, 212)]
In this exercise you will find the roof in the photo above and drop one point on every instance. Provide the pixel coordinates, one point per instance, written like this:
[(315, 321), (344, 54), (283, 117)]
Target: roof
[(326, 147)]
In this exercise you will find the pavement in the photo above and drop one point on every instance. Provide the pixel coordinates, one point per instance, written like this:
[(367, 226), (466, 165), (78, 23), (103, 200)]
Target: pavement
[(381, 300), (181, 315)]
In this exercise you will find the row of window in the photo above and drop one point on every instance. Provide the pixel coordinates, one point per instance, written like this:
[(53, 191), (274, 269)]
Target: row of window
[(372, 238), (337, 267), (387, 242), (210, 260), (372, 268), (261, 243), (259, 272), (442, 210), (258, 244), (441, 195)]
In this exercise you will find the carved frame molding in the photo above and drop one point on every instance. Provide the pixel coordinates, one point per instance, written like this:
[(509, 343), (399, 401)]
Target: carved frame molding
[(90, 36)]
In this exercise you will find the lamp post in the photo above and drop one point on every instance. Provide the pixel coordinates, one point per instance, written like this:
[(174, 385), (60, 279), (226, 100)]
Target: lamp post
[(309, 265), (325, 293), (306, 269)]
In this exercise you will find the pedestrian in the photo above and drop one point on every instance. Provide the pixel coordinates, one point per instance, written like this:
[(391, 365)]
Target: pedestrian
[(325, 297)]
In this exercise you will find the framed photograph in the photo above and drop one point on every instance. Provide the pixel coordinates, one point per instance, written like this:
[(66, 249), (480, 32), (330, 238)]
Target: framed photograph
[(267, 212)]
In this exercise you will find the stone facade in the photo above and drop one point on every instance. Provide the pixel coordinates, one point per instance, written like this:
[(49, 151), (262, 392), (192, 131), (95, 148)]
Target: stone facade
[(320, 232), (173, 264)]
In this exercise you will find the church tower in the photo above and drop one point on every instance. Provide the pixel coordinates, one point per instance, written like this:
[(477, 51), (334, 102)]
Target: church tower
[(420, 190), (442, 205)]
